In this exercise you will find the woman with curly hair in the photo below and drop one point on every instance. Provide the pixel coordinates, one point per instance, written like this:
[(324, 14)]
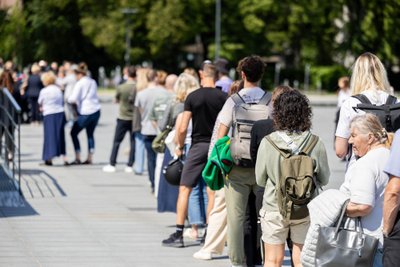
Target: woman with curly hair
[(292, 120)]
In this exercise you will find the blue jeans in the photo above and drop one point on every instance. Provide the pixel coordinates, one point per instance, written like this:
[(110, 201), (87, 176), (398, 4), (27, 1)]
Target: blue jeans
[(151, 157), (139, 153), (198, 201), (88, 122), (378, 260)]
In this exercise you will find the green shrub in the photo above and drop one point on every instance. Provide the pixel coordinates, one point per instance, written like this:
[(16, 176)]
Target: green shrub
[(326, 77)]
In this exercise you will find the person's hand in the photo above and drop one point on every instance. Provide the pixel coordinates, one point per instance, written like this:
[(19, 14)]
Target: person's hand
[(178, 151)]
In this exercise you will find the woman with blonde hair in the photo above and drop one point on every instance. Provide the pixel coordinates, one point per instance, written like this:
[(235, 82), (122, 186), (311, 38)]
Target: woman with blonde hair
[(366, 180), (369, 78), (168, 194), (51, 104)]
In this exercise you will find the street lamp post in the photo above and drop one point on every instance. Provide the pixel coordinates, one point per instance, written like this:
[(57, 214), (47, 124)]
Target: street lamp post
[(127, 12), (217, 28)]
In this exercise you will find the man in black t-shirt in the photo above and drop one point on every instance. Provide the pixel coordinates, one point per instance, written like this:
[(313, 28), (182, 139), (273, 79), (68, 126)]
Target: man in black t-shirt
[(202, 106)]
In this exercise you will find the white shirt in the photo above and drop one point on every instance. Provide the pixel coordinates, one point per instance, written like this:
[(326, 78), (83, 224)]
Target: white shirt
[(84, 95), (343, 96), (365, 182), (51, 100), (347, 113), (249, 95)]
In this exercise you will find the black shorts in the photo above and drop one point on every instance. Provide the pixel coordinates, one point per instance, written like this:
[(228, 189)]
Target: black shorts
[(391, 246), (194, 164)]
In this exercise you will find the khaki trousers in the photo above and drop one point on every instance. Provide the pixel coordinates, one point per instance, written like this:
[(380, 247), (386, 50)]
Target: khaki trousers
[(238, 185), (217, 225)]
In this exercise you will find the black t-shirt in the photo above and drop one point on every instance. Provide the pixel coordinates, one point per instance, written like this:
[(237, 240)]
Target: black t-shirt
[(259, 130), (205, 104)]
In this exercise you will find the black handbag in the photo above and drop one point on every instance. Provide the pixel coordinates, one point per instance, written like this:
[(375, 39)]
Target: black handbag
[(341, 247)]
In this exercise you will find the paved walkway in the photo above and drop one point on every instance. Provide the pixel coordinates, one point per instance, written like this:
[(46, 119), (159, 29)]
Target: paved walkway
[(80, 216)]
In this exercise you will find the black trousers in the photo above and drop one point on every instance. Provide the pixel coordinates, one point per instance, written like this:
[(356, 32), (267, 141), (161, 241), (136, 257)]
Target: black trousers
[(391, 246), (121, 129)]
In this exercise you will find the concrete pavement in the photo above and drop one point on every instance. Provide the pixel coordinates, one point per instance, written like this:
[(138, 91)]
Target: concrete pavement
[(81, 216)]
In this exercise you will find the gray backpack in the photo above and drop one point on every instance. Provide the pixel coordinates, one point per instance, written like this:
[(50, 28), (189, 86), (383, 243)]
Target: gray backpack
[(244, 116)]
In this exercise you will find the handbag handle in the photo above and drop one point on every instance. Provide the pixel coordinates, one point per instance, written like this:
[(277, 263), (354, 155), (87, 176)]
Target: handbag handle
[(358, 225)]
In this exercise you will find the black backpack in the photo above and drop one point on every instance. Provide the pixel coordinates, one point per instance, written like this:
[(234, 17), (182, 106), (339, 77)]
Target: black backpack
[(388, 113)]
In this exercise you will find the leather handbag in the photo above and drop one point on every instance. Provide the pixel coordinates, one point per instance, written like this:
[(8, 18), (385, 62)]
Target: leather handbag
[(339, 246)]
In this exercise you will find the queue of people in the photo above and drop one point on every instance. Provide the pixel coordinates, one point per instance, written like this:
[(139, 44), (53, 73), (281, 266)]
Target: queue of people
[(277, 164)]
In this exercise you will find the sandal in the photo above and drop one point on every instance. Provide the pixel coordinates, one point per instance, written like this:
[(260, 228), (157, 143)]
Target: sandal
[(75, 162), (87, 162)]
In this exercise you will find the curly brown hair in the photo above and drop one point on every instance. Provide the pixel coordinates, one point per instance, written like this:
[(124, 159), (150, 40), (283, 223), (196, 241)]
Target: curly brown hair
[(292, 112)]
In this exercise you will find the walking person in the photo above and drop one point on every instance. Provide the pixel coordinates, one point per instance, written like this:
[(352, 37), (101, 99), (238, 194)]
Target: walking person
[(391, 207), (84, 95), (202, 106), (125, 96), (52, 107), (292, 124)]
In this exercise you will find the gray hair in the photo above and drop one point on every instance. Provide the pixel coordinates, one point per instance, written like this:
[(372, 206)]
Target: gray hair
[(369, 123)]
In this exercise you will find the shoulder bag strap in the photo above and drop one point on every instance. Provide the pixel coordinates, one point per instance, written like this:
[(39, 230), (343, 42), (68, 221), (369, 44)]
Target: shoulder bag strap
[(310, 144), (265, 99), (283, 153), (363, 98), (391, 100), (237, 99)]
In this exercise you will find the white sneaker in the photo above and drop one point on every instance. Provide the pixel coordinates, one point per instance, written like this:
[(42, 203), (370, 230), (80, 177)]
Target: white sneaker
[(128, 169), (109, 168), (202, 255)]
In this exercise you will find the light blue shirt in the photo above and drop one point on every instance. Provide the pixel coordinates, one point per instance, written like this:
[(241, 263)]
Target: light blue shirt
[(393, 164)]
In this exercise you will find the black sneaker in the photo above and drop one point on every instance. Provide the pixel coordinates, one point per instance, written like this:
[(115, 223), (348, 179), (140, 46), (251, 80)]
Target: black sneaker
[(174, 240)]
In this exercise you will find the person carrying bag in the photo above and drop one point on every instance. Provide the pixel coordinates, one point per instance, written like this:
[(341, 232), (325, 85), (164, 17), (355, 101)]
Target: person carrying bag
[(340, 245)]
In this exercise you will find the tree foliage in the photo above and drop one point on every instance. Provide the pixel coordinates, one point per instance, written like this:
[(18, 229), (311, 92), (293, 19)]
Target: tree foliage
[(320, 33)]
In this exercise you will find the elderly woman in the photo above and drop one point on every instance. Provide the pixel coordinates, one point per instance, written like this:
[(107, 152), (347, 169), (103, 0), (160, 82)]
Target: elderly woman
[(51, 105), (369, 78), (365, 181), (292, 121)]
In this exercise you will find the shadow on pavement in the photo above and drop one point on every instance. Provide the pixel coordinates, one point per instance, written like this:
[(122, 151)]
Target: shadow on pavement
[(39, 184)]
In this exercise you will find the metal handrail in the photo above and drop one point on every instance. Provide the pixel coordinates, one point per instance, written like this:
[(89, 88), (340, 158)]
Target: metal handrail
[(10, 124)]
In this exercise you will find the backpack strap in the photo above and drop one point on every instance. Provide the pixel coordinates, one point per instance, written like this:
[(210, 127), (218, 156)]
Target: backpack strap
[(237, 99), (391, 100), (363, 98), (282, 152), (310, 144), (265, 99)]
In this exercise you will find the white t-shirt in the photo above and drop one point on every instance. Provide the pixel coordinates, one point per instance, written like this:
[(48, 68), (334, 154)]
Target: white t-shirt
[(51, 100), (365, 182), (84, 95), (343, 96), (249, 95), (347, 113)]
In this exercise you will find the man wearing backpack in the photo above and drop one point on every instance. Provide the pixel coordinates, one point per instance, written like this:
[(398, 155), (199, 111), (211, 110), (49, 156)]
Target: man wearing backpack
[(241, 180)]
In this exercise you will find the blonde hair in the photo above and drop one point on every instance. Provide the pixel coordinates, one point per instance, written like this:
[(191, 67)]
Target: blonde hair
[(368, 73), (48, 78), (369, 123), (35, 69), (141, 78), (184, 85)]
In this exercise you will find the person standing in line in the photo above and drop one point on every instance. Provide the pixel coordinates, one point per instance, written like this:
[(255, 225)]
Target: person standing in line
[(32, 89), (141, 84), (202, 106), (144, 102), (68, 83), (223, 82), (241, 180), (125, 96), (84, 95), (369, 78), (52, 106), (391, 207)]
